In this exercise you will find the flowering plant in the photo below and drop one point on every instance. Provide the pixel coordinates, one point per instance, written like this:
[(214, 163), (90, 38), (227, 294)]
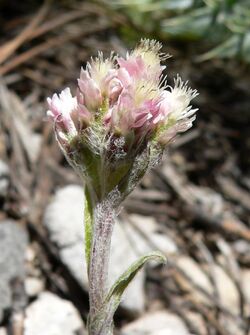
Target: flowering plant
[(114, 130)]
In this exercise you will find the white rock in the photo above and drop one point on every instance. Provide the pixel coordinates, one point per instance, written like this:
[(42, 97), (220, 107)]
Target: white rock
[(231, 326), (242, 247), (13, 242), (73, 257), (127, 240), (64, 221), (64, 216), (198, 277), (33, 286), (51, 315), (157, 323), (30, 254), (152, 237), (123, 253), (3, 331), (197, 320), (4, 169), (227, 291), (246, 287), (4, 178)]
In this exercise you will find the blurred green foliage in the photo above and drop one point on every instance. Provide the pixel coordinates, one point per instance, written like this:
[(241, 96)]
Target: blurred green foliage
[(222, 27)]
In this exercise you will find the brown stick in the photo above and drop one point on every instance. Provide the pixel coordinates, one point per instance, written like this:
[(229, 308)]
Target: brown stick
[(51, 43), (8, 48)]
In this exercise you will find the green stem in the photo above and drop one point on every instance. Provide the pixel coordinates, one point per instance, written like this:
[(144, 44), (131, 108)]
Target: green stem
[(88, 225)]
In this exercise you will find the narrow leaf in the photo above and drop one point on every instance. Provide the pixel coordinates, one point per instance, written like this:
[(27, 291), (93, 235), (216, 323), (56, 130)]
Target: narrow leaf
[(114, 296)]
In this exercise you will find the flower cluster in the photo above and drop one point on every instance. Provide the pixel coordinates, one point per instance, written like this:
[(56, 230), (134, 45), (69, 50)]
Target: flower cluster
[(123, 108), (125, 95)]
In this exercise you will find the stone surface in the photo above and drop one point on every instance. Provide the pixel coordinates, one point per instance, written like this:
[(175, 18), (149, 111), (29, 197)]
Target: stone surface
[(3, 331), (13, 242), (64, 221), (157, 323), (246, 288), (33, 286), (128, 240), (230, 326), (197, 321), (242, 247), (197, 276), (227, 291), (152, 237), (4, 179), (51, 315)]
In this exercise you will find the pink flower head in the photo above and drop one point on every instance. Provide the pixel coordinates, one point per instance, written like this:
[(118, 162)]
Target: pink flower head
[(144, 62), (122, 95), (83, 113), (121, 119), (91, 95), (136, 109), (134, 65), (61, 110)]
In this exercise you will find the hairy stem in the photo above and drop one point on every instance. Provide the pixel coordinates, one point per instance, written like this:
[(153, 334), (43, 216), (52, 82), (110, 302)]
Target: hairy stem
[(88, 224), (102, 227)]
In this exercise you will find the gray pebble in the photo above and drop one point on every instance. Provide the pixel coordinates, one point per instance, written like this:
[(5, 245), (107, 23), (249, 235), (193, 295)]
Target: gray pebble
[(13, 242)]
